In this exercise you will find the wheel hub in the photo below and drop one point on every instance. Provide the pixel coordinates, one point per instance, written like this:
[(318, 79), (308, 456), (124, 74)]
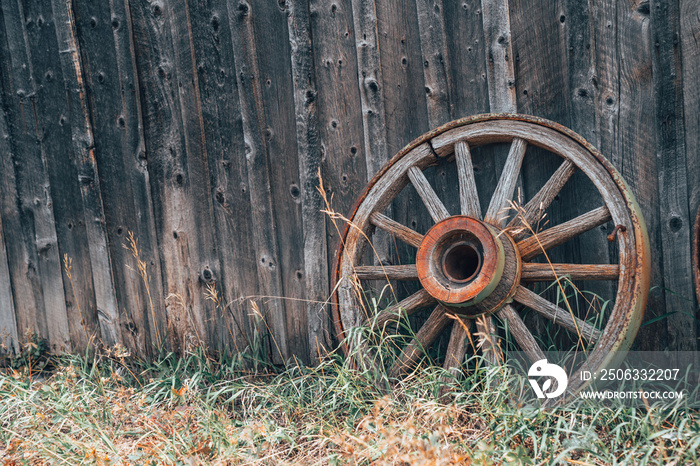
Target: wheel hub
[(469, 266)]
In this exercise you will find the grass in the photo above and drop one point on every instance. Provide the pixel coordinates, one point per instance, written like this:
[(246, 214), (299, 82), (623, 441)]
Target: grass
[(110, 409)]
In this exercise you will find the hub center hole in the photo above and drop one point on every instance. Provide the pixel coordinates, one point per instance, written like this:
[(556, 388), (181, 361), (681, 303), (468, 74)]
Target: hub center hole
[(461, 262)]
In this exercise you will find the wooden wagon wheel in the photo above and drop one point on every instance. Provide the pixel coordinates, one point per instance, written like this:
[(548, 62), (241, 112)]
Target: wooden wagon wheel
[(474, 266)]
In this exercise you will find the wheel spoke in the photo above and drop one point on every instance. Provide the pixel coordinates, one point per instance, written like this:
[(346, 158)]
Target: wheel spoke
[(468, 195), (549, 272), (556, 314), (457, 347), (547, 239), (521, 334), (394, 228), (408, 305), (425, 191), (427, 334), (544, 197), (506, 184), (488, 339), (386, 272)]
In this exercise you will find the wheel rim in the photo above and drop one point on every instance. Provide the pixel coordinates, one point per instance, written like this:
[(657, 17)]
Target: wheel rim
[(455, 140)]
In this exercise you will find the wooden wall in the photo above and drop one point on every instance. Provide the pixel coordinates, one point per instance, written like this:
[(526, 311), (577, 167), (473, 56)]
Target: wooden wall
[(194, 132)]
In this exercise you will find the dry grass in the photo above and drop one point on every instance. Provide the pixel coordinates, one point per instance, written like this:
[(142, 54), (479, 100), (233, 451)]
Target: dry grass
[(112, 410)]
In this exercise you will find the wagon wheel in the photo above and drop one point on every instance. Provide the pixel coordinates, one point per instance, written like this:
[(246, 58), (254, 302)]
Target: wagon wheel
[(480, 267)]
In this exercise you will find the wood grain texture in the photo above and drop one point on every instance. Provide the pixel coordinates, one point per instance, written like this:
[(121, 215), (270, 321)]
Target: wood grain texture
[(257, 150), (636, 135), (29, 209), (225, 153), (505, 188), (533, 272), (429, 331), (104, 35), (431, 200), (499, 56), (675, 221), (105, 308), (556, 314), (8, 312), (9, 338), (397, 230), (309, 154), (339, 109), (521, 333), (431, 27), (406, 306), (178, 171), (386, 272), (690, 53), (560, 234), (468, 193)]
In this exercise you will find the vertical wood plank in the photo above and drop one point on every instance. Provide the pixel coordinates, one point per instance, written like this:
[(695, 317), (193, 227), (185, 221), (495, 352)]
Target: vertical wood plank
[(86, 164), (177, 162), (33, 251), (371, 83), (690, 37), (9, 338), (223, 136), (464, 40), (499, 55), (635, 136), (104, 36), (431, 27), (315, 274), (675, 220), (339, 108), (406, 111), (257, 155)]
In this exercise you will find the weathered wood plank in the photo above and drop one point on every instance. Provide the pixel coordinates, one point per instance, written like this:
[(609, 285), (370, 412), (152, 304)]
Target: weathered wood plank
[(675, 221), (315, 276), (405, 106), (339, 107), (690, 53), (277, 99), (250, 81), (33, 252), (431, 28), (499, 55), (178, 172), (83, 139), (466, 57), (9, 339), (104, 38), (225, 150), (633, 95)]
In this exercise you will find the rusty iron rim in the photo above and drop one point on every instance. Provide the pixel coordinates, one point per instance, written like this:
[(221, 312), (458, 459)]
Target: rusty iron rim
[(622, 333)]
